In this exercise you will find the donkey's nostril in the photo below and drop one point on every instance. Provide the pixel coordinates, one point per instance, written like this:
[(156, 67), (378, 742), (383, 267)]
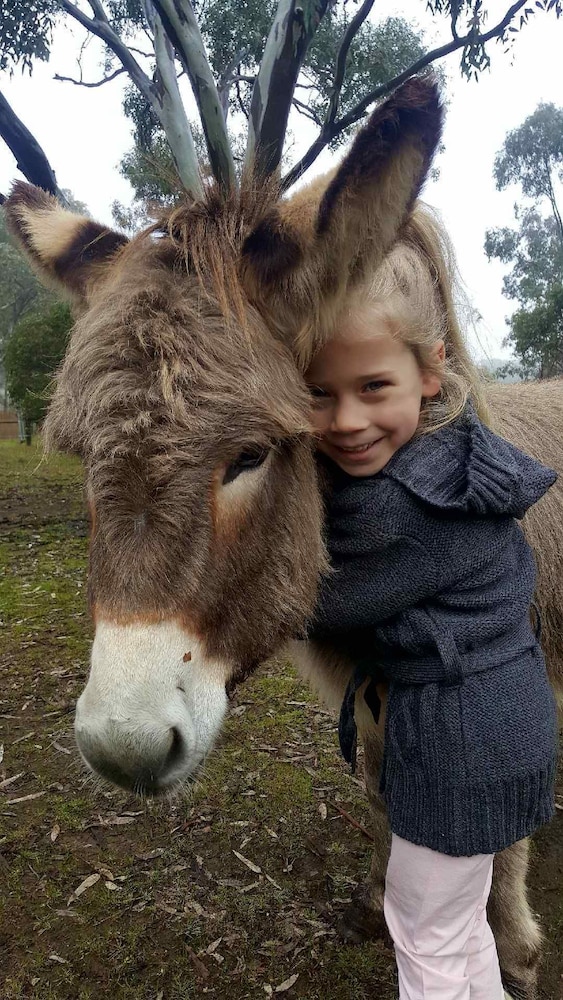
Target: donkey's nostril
[(176, 751)]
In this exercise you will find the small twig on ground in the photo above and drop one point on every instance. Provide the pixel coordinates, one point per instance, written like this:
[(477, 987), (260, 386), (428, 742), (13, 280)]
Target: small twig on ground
[(353, 822)]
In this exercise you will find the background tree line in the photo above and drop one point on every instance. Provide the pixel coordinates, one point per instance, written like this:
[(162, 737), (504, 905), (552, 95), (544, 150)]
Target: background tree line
[(532, 157)]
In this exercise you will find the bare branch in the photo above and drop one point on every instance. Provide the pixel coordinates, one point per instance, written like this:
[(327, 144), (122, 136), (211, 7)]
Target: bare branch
[(349, 35), (243, 78), (157, 95), (227, 79), (228, 74), (100, 26), (241, 102), (82, 83), (292, 31), (332, 130), (180, 24), (308, 112)]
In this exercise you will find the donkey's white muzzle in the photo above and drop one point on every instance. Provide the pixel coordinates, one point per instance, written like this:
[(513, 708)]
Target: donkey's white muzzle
[(152, 706)]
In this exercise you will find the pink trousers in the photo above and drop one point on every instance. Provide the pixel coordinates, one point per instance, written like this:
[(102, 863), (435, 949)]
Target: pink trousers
[(435, 908)]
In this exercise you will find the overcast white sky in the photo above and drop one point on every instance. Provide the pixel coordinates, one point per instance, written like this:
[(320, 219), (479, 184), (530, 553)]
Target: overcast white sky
[(84, 134)]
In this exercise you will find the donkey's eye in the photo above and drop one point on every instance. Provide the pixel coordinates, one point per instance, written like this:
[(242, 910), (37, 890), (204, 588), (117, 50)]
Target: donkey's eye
[(248, 460)]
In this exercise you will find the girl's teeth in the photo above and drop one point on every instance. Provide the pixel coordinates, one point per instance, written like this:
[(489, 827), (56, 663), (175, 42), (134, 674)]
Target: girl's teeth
[(362, 447)]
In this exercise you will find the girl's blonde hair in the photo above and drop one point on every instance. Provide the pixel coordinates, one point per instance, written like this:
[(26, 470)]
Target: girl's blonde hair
[(413, 291)]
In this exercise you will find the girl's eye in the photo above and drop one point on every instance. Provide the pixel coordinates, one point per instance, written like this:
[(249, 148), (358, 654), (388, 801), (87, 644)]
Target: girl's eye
[(248, 460), (319, 396), (373, 386)]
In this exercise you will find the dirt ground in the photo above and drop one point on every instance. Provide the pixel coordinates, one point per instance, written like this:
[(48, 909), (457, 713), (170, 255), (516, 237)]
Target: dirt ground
[(233, 891)]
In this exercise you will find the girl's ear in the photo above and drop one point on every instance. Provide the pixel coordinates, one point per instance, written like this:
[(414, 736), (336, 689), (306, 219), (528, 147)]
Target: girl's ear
[(300, 261), (432, 380), (68, 251)]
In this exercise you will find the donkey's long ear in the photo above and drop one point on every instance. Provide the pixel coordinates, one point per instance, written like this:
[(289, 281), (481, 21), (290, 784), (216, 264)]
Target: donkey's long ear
[(301, 260), (68, 251)]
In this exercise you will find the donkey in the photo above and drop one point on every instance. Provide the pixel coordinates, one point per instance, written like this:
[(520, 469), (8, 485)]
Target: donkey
[(182, 391)]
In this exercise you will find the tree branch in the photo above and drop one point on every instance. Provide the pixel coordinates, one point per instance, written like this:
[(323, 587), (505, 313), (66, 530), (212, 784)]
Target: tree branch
[(292, 31), (100, 26), (553, 201), (240, 101), (305, 110), (30, 158), (81, 83), (228, 77), (330, 131), (173, 115), (349, 35), (183, 31), (162, 99)]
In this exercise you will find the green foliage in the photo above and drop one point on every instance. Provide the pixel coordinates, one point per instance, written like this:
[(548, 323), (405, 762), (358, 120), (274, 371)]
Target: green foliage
[(532, 156), (31, 356), (26, 28), (536, 335), (535, 251), (231, 29)]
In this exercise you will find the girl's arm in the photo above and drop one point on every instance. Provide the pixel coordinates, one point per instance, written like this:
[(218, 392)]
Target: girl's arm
[(366, 587)]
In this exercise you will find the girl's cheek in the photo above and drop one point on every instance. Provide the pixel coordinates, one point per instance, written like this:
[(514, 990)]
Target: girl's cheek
[(320, 420)]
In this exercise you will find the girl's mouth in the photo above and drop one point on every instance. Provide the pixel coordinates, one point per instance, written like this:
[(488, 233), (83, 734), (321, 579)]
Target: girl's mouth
[(357, 453)]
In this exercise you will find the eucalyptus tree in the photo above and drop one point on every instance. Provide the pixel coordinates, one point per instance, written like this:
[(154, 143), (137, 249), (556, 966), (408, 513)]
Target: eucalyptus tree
[(532, 158), (259, 59)]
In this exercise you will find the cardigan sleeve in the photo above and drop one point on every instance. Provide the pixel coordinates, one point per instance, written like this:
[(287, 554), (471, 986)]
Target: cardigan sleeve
[(368, 586)]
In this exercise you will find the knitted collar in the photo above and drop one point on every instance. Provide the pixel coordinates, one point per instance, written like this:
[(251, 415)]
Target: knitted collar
[(465, 467)]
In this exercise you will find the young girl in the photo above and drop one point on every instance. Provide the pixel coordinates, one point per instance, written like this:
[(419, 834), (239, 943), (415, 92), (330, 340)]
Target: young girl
[(432, 590)]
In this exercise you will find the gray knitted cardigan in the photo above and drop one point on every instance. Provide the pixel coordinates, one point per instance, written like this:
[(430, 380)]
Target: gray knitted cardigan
[(432, 589)]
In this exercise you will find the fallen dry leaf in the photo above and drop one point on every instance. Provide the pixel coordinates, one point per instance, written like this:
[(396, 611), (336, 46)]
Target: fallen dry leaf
[(283, 987), (57, 958), (86, 884), (10, 781), (55, 832), (270, 879), (248, 888), (323, 810), (25, 798), (249, 864), (200, 967), (213, 946), (151, 855)]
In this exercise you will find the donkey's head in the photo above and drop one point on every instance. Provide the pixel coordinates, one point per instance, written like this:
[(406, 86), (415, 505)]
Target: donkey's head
[(182, 392)]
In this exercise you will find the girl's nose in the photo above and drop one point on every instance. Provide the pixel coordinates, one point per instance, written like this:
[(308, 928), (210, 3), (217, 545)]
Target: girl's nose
[(348, 416)]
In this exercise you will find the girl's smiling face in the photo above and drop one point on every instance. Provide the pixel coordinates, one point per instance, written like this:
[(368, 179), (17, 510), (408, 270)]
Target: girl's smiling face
[(367, 391)]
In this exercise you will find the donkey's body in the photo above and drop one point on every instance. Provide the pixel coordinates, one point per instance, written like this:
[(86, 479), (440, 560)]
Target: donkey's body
[(182, 392)]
